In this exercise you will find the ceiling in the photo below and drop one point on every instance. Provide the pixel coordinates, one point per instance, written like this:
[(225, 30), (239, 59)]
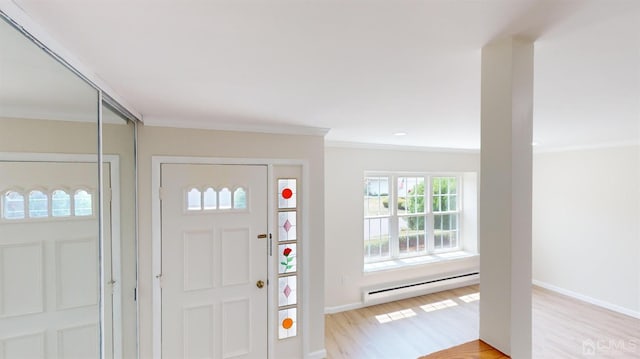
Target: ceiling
[(34, 85), (363, 69)]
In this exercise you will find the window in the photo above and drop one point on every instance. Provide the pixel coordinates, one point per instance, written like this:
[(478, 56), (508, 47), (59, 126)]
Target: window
[(60, 204), (445, 212), (45, 204), (398, 224), (225, 198), (38, 204), (13, 205), (377, 218), (82, 203), (194, 200), (212, 200), (240, 198)]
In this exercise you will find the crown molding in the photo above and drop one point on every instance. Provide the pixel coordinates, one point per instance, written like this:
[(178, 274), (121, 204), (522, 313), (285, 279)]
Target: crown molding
[(235, 126), (388, 147), (595, 146)]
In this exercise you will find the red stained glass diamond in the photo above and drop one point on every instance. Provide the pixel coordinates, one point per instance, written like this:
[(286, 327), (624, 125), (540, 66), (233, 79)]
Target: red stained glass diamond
[(287, 226), (287, 193), (287, 291)]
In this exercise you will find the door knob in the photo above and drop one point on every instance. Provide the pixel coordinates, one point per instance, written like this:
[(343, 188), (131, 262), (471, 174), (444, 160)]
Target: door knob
[(259, 284)]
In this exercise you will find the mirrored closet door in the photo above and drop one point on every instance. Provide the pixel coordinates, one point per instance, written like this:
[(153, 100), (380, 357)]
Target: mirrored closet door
[(67, 234)]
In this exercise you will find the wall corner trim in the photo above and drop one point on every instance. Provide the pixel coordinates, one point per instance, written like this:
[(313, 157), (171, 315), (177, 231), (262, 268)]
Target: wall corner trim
[(588, 299)]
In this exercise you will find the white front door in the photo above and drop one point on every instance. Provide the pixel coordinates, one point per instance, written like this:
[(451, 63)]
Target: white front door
[(49, 289), (214, 261)]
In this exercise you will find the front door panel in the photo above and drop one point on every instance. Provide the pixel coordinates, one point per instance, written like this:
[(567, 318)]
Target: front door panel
[(212, 261)]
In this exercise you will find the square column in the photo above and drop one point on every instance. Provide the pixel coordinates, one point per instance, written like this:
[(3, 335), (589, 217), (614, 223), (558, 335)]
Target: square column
[(505, 196)]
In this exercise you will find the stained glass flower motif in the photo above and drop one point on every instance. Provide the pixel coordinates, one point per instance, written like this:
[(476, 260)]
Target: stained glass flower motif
[(287, 258)]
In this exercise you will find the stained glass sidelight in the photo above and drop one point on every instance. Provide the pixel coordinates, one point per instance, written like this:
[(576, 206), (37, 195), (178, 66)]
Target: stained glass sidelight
[(287, 258), (287, 193), (287, 318), (287, 226), (287, 290)]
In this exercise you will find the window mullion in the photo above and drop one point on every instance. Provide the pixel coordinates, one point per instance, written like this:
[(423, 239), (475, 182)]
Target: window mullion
[(428, 207), (393, 211), (394, 243)]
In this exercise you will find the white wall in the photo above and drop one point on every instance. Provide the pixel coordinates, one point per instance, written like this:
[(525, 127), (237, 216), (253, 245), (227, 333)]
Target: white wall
[(164, 141), (586, 238), (344, 173)]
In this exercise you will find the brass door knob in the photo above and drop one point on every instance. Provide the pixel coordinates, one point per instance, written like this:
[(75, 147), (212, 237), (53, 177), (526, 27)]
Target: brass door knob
[(259, 284)]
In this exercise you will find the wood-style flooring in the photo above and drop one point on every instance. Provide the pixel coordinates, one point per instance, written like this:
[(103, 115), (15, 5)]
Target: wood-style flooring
[(562, 328), (476, 349)]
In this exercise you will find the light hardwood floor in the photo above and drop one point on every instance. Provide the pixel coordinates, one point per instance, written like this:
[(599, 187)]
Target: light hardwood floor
[(562, 328), (476, 349)]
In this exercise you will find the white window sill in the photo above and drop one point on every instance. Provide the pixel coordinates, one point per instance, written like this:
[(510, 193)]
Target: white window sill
[(414, 261)]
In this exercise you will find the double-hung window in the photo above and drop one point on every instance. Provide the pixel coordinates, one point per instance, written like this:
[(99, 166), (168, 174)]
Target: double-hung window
[(410, 215)]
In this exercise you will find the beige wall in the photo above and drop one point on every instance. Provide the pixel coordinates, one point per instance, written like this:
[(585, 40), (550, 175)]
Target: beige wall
[(164, 141), (22, 135)]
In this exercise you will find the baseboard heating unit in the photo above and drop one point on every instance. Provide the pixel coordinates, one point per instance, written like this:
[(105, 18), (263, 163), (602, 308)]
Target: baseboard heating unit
[(421, 287)]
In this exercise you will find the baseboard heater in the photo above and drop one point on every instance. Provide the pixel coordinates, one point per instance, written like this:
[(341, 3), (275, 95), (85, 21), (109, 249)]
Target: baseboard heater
[(419, 288)]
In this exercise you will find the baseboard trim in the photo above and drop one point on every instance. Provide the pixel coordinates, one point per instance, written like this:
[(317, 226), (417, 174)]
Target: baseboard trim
[(588, 299), (318, 354), (343, 308), (436, 289)]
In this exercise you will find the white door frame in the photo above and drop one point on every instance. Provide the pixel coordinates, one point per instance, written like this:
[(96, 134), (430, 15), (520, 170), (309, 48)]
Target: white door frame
[(156, 240), (114, 162)]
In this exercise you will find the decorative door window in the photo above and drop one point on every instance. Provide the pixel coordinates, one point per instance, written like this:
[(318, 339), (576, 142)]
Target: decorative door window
[(287, 258), (47, 204), (211, 199)]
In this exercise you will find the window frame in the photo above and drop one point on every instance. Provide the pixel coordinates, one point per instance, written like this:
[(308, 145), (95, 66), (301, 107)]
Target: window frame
[(380, 216), (429, 215)]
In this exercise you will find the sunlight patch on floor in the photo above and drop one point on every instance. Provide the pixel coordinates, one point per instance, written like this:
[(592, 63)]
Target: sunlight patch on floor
[(401, 314), (470, 298), (438, 305)]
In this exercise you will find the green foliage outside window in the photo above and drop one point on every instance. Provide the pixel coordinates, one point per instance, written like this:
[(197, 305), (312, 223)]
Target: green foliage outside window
[(416, 205)]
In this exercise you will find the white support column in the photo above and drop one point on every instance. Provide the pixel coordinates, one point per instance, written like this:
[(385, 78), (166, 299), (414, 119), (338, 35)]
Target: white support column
[(505, 196)]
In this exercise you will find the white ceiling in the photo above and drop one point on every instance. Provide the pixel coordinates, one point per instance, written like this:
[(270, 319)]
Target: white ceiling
[(34, 85), (364, 69)]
